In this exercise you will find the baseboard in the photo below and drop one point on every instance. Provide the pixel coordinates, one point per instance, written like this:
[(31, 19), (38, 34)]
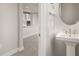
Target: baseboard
[(29, 35), (20, 49), (13, 51)]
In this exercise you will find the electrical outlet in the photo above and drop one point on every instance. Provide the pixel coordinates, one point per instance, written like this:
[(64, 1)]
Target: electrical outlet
[(0, 46)]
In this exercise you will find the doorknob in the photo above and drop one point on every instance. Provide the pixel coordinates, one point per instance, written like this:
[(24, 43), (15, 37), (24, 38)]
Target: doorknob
[(39, 34)]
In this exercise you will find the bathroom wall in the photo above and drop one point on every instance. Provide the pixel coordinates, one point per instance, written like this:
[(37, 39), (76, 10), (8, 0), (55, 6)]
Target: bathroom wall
[(50, 32), (8, 28), (33, 29), (50, 40), (60, 48)]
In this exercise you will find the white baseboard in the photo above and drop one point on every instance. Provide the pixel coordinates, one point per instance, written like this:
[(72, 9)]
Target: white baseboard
[(20, 49), (29, 35), (13, 51)]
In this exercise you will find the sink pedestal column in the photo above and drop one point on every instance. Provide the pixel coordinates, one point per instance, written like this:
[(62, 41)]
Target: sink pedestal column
[(70, 49)]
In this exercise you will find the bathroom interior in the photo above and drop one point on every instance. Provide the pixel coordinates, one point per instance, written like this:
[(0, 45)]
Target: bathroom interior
[(39, 29)]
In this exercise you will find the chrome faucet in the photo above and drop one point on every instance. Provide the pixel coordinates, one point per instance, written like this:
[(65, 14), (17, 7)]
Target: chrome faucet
[(69, 32), (65, 31)]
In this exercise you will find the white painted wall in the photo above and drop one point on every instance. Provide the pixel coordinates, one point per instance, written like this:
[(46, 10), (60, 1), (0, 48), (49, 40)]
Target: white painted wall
[(50, 40), (8, 27), (60, 48), (50, 26)]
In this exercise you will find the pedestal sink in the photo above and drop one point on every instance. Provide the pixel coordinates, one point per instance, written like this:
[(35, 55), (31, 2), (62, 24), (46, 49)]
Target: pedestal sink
[(70, 41)]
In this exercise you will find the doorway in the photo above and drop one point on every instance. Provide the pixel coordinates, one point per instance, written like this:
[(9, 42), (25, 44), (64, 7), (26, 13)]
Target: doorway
[(29, 30)]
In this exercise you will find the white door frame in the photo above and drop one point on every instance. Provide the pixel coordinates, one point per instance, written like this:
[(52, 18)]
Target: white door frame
[(43, 17), (20, 29)]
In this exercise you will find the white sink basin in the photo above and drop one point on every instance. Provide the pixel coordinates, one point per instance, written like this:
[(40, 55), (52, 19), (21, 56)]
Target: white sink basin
[(67, 38), (70, 41)]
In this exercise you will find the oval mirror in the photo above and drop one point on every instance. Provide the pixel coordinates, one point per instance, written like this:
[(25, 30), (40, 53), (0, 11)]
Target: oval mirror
[(69, 13)]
